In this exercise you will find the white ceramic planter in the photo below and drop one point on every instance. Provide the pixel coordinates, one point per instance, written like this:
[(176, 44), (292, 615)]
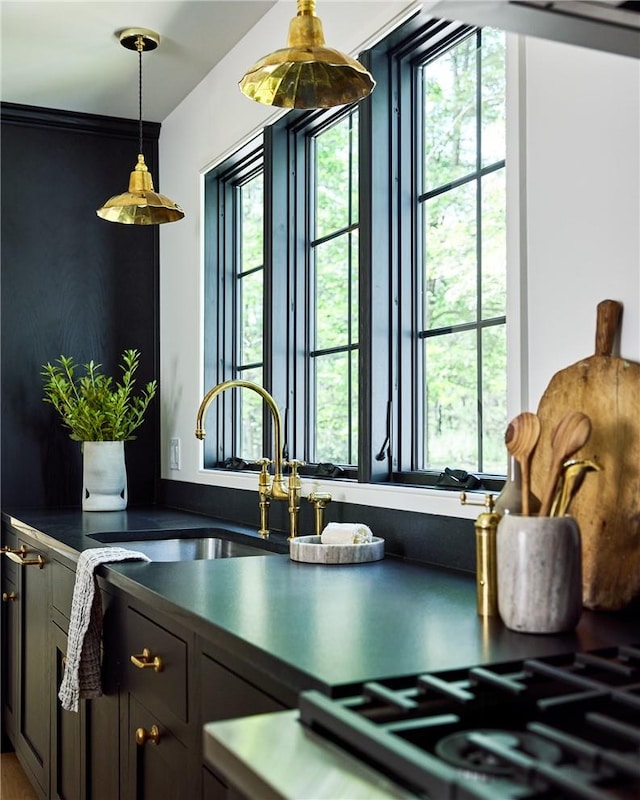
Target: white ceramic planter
[(104, 476), (539, 565)]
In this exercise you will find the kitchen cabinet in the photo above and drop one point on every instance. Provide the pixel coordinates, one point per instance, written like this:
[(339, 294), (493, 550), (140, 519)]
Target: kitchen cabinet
[(26, 708), (9, 649), (213, 788), (143, 737), (157, 761), (160, 744), (67, 757), (84, 745), (65, 754), (168, 693), (226, 695), (234, 638)]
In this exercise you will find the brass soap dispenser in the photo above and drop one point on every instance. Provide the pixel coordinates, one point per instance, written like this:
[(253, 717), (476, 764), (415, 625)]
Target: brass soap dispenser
[(486, 527)]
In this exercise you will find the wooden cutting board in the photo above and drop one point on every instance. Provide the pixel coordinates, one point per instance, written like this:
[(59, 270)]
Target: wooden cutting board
[(607, 506)]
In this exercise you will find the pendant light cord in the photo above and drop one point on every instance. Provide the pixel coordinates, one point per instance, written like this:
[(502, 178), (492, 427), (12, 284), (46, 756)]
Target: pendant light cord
[(140, 49)]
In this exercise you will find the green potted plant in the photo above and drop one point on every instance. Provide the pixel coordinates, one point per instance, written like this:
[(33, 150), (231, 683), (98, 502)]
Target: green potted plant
[(102, 413)]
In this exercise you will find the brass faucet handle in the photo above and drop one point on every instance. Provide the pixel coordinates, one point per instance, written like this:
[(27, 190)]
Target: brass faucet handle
[(264, 479), (264, 464), (293, 466), (319, 499)]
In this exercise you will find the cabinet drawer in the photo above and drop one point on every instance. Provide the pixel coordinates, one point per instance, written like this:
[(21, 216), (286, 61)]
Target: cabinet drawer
[(157, 768), (224, 695), (64, 580), (147, 641), (9, 568)]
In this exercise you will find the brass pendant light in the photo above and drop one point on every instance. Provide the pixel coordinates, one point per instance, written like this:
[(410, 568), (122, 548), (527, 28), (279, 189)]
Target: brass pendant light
[(141, 205), (306, 74)]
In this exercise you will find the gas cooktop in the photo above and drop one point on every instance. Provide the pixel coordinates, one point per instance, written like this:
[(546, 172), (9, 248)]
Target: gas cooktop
[(543, 729)]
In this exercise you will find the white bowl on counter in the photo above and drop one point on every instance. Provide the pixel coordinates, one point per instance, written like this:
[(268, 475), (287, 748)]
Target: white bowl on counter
[(312, 551)]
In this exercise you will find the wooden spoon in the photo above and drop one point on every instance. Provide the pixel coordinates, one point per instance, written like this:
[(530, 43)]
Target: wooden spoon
[(570, 434), (521, 438)]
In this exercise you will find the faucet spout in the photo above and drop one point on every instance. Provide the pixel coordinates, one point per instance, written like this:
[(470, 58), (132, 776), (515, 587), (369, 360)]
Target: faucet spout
[(279, 489)]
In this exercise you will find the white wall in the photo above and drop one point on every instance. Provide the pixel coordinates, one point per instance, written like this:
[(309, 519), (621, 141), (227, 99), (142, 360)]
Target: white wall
[(579, 236), (583, 202)]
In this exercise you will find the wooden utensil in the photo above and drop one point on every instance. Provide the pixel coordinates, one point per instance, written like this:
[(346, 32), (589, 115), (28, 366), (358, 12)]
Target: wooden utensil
[(607, 507), (521, 438), (569, 435)]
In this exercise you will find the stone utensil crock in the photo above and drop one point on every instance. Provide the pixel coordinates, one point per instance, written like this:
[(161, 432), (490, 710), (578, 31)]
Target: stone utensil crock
[(539, 566)]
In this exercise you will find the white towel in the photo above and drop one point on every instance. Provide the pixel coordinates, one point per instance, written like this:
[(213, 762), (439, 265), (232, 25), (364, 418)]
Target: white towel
[(81, 677), (346, 533)]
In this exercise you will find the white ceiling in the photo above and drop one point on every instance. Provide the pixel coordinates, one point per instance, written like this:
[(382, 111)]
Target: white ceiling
[(67, 55)]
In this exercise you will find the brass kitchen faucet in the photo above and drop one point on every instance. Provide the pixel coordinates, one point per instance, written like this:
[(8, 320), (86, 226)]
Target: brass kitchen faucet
[(269, 488)]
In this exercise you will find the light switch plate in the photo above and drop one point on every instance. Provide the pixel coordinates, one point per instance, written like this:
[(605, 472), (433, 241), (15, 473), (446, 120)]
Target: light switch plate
[(174, 454)]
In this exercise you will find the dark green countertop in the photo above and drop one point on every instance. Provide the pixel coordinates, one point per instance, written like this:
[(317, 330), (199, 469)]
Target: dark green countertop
[(72, 529), (315, 626)]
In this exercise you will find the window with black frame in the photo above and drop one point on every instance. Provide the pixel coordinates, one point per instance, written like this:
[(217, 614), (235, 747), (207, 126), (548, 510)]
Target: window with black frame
[(234, 308), (360, 269), (333, 270), (461, 256)]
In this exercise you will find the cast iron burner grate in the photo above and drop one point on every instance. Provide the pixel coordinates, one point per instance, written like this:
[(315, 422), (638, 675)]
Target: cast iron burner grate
[(541, 729), (473, 752)]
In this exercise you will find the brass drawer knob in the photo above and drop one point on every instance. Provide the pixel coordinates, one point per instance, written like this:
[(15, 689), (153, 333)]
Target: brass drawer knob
[(145, 659), (6, 596), (143, 735)]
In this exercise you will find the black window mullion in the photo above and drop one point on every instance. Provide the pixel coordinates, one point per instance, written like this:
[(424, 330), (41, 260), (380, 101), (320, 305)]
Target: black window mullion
[(309, 261), (462, 326), (276, 275), (350, 269), (406, 121), (468, 178), (224, 404), (212, 299), (479, 354), (303, 275), (377, 260), (334, 234)]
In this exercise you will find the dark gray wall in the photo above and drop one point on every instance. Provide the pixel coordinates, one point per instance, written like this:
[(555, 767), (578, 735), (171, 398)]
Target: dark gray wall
[(71, 283)]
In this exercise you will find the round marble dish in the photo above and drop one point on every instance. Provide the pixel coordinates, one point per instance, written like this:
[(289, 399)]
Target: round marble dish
[(311, 550)]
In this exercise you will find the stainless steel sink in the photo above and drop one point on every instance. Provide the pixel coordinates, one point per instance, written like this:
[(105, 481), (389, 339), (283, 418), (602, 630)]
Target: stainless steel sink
[(183, 545)]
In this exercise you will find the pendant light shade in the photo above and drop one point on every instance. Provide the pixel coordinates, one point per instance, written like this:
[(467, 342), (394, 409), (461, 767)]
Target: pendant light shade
[(307, 74), (140, 205)]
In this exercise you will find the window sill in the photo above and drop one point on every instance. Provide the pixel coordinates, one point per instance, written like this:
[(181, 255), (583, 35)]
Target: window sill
[(425, 500)]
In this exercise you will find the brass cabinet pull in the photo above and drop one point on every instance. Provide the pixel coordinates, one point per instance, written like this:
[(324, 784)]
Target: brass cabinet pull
[(145, 659), (6, 596), (143, 735), (20, 557)]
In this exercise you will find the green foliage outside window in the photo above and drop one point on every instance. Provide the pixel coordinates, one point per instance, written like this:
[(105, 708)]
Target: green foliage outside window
[(250, 314), (334, 356)]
